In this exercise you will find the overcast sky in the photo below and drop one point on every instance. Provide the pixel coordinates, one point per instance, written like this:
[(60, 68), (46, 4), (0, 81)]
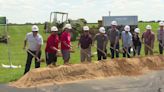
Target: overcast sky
[(22, 11)]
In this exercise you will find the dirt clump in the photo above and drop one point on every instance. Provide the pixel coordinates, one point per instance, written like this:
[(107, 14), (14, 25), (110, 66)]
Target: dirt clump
[(115, 67)]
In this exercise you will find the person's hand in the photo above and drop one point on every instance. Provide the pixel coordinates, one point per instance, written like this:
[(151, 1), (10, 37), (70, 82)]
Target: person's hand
[(58, 50)]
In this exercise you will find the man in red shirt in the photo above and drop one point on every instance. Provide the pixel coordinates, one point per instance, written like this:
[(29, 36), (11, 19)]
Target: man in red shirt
[(65, 39), (148, 38), (52, 46)]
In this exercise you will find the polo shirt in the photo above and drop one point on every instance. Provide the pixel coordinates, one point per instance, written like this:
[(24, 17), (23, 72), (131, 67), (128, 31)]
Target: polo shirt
[(65, 38), (112, 34), (127, 39), (101, 40), (85, 41), (33, 42), (52, 41), (148, 37)]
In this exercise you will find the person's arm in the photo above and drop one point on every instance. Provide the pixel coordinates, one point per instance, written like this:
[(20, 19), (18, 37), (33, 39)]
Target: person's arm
[(40, 43), (131, 40), (117, 40), (79, 42), (158, 35), (50, 44), (152, 41), (122, 38), (105, 43), (142, 38)]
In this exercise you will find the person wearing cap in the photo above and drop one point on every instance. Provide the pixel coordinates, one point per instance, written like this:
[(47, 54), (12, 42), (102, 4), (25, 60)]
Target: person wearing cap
[(65, 39), (35, 41), (52, 46), (113, 36), (136, 42), (126, 41), (85, 43), (148, 38), (160, 37), (102, 40)]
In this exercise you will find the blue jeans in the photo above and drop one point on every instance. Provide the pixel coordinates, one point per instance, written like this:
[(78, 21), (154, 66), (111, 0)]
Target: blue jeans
[(160, 47), (101, 55), (137, 50), (126, 52), (113, 52)]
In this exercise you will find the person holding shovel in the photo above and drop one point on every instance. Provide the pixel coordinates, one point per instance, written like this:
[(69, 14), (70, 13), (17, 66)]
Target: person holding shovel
[(160, 37), (35, 41), (126, 41), (65, 39), (136, 42), (85, 43), (102, 40), (52, 47), (113, 35), (148, 38)]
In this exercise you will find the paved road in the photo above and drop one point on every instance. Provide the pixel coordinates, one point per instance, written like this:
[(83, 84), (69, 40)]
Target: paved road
[(151, 82)]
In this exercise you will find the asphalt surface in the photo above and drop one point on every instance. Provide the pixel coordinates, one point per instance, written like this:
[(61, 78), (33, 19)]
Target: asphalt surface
[(150, 82)]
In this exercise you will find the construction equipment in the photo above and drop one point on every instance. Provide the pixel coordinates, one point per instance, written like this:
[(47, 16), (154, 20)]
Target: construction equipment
[(59, 19), (55, 21)]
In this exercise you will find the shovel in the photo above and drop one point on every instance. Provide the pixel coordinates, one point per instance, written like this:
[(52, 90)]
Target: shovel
[(150, 48), (58, 52), (38, 60), (71, 50), (101, 51)]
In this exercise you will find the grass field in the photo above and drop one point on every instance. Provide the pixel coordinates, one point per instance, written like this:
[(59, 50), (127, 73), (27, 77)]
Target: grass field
[(18, 55)]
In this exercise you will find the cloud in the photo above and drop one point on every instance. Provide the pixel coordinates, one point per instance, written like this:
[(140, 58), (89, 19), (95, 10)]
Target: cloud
[(21, 11)]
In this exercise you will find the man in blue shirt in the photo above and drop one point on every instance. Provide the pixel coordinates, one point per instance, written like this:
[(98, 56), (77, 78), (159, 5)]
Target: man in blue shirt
[(126, 41)]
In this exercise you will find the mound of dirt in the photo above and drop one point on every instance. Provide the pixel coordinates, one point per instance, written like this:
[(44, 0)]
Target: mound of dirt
[(115, 67)]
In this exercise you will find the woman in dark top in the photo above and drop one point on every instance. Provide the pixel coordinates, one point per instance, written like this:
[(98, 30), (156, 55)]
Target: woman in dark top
[(136, 42)]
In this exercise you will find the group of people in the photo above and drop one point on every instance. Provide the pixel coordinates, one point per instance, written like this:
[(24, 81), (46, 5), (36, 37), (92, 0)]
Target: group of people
[(131, 41)]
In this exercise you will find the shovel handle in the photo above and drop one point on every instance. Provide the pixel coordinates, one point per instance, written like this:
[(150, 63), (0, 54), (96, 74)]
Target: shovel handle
[(101, 50), (33, 54), (148, 47), (86, 53), (127, 51)]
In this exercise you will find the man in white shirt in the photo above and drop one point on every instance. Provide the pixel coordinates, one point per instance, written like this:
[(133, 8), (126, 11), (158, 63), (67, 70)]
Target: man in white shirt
[(34, 40)]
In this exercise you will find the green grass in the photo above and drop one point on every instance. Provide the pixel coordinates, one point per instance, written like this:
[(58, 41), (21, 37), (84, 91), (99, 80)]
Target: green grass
[(18, 55)]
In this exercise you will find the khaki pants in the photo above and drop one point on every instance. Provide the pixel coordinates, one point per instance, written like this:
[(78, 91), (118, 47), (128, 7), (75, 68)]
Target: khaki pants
[(85, 54), (148, 50)]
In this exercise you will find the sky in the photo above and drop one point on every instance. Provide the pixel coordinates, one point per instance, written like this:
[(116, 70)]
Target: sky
[(23, 11)]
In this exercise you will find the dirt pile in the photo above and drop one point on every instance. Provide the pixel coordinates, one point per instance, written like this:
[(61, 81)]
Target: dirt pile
[(115, 67)]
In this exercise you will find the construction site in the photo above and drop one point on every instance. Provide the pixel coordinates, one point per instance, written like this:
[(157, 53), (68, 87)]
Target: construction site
[(140, 73), (118, 75)]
